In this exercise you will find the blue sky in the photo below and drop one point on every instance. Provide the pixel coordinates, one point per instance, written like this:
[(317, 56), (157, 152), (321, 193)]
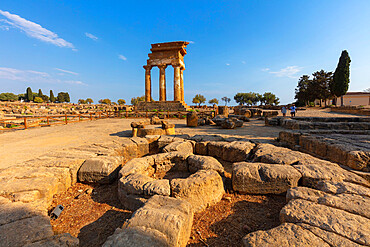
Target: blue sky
[(97, 49)]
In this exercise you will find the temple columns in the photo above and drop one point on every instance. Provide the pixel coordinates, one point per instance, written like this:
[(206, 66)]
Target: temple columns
[(148, 84), (182, 83), (162, 82), (177, 83)]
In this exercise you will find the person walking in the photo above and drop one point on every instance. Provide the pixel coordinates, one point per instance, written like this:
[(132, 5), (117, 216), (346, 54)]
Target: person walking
[(283, 110), (293, 110)]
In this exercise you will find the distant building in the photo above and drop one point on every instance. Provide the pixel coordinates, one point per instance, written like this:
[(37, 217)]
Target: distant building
[(350, 99)]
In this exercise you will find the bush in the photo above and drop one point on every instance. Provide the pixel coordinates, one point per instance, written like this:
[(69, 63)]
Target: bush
[(8, 97), (38, 100)]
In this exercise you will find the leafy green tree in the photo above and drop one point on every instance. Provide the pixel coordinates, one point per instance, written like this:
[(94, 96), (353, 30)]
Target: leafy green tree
[(213, 101), (63, 97), (45, 98), (270, 99), (240, 98), (29, 94), (40, 93), (81, 101), (8, 97), (38, 100), (22, 96), (105, 101), (136, 100), (340, 84), (89, 101), (199, 99), (303, 93), (226, 99), (121, 101), (52, 98), (321, 85)]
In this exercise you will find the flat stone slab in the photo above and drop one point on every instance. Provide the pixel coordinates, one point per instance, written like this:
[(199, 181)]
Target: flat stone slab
[(61, 240), (101, 169), (237, 151), (352, 226), (342, 188), (259, 178), (170, 216), (180, 146), (287, 234), (202, 189)]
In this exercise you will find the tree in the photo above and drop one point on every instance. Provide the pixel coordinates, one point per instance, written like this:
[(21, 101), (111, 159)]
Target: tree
[(340, 84), (29, 94), (367, 90), (302, 91), (52, 98), (105, 101), (240, 98), (81, 101), (8, 97), (63, 97), (121, 101), (38, 100), (321, 85), (226, 99), (199, 99), (45, 98), (136, 100), (89, 101), (270, 99), (213, 101), (40, 93)]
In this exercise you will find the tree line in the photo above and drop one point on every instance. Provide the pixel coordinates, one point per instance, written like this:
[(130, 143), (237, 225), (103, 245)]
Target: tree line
[(325, 85), (39, 97)]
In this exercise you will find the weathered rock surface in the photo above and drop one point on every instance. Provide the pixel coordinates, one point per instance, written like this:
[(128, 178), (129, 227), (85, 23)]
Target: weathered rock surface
[(216, 148), (342, 187), (352, 226), (237, 151), (174, 161), (259, 178), (61, 240), (137, 237), (180, 146), (202, 189), (157, 187), (142, 145), (101, 169), (191, 119), (138, 165), (134, 183), (348, 202), (286, 234), (170, 216), (199, 162)]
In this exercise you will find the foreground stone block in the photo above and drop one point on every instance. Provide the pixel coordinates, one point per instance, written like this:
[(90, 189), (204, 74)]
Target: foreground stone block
[(286, 234), (138, 165), (199, 162), (202, 189), (259, 178), (61, 240), (191, 119), (102, 169), (342, 188), (180, 146), (354, 227), (216, 148), (137, 237), (170, 216), (237, 151)]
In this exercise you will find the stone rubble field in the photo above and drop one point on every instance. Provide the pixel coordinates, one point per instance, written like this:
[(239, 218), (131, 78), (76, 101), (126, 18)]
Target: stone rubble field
[(166, 179)]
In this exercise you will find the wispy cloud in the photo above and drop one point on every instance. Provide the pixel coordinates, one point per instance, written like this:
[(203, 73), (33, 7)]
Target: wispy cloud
[(91, 36), (32, 76), (265, 69), (66, 71), (227, 64), (122, 57), (191, 42), (34, 30), (289, 71)]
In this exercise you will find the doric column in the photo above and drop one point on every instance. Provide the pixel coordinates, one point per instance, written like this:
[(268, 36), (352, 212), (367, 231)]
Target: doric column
[(182, 83), (176, 82), (162, 82), (148, 83)]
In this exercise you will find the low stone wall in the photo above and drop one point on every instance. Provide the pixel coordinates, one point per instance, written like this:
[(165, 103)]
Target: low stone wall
[(352, 110)]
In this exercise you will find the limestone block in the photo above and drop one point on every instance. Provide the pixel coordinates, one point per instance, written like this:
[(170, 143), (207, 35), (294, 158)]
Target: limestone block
[(216, 148), (237, 151), (10, 212), (134, 183), (171, 216), (259, 178), (142, 146), (130, 201), (152, 131), (198, 162), (228, 124), (170, 131), (201, 148), (331, 238), (191, 119), (336, 153), (223, 110), (129, 149), (137, 237), (358, 160), (286, 234), (179, 146), (351, 203), (138, 165), (202, 189), (24, 231), (101, 169), (174, 161), (61, 240), (157, 187), (354, 227), (164, 141), (342, 187)]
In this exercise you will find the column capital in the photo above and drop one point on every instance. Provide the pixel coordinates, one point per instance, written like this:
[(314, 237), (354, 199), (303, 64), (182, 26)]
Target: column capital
[(163, 66), (147, 67)]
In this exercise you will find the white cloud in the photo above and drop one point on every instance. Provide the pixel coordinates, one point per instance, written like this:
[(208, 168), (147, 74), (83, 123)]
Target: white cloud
[(191, 42), (32, 76), (66, 71), (289, 71), (34, 30), (265, 69), (91, 36), (122, 57), (227, 64)]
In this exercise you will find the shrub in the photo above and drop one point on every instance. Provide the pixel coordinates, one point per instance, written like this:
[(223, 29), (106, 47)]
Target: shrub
[(38, 100)]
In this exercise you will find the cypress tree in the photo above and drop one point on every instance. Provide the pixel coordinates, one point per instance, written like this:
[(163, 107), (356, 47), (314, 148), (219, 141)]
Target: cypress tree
[(340, 84), (52, 98), (40, 93), (29, 94)]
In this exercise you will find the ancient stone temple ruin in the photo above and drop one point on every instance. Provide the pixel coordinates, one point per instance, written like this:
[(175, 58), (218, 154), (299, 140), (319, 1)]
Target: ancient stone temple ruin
[(163, 55)]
